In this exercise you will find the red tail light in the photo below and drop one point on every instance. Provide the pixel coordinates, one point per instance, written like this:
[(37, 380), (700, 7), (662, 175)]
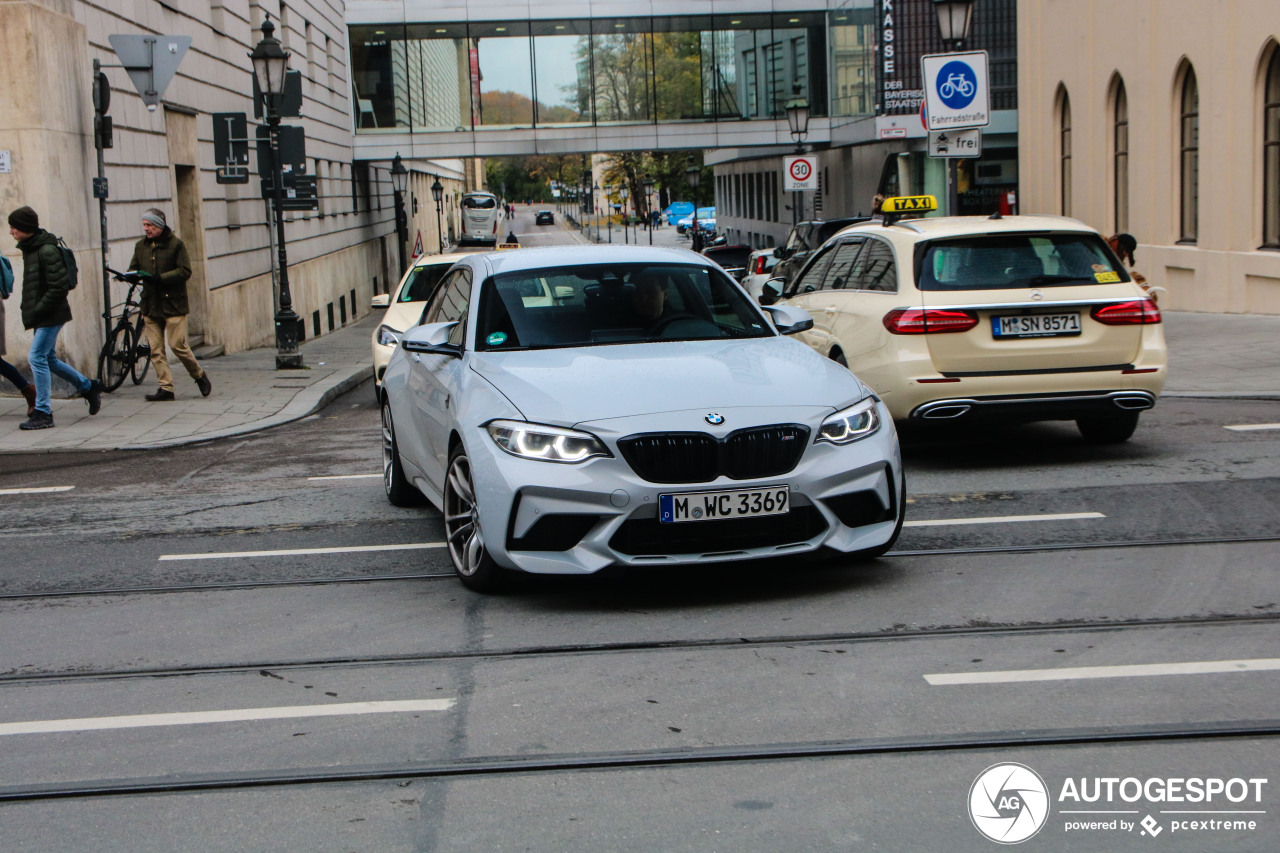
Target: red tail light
[(1136, 313), (759, 265), (928, 321)]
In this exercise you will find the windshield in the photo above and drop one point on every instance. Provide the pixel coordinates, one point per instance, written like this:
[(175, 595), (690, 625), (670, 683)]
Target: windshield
[(421, 282), (1003, 261), (594, 304), (479, 202), (706, 213)]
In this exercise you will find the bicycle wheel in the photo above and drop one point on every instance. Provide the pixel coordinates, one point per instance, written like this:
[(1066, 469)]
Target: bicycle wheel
[(116, 358), (141, 356)]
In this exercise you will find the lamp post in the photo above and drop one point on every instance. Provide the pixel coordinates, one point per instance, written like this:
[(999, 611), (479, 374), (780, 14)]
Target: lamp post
[(270, 62), (626, 217), (798, 121), (954, 17), (595, 204), (693, 175), (608, 208), (400, 182), (648, 205), (437, 194)]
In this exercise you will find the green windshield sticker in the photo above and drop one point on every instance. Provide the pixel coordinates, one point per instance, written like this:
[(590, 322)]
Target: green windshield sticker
[(497, 339)]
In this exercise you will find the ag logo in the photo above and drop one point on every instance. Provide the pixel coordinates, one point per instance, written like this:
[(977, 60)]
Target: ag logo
[(1008, 803)]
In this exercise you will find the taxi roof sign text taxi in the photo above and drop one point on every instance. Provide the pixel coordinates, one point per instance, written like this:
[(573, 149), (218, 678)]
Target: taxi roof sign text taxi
[(909, 204)]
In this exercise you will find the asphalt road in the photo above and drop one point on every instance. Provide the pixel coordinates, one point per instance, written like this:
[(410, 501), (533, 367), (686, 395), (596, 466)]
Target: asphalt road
[(171, 680)]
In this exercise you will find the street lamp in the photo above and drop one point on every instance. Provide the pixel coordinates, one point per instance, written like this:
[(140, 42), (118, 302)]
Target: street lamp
[(595, 204), (399, 183), (954, 17), (648, 204), (270, 63), (798, 121), (608, 208), (626, 200), (437, 193), (693, 175)]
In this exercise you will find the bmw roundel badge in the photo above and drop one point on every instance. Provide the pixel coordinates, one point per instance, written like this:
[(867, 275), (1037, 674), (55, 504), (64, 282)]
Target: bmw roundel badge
[(714, 419)]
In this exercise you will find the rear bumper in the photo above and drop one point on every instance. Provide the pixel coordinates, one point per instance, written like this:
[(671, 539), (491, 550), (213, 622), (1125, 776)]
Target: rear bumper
[(1035, 407)]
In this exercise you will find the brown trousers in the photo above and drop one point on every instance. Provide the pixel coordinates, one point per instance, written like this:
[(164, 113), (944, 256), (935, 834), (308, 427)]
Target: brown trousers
[(175, 329)]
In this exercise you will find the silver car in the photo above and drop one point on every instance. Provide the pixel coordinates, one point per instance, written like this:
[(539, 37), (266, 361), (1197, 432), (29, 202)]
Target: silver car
[(573, 408)]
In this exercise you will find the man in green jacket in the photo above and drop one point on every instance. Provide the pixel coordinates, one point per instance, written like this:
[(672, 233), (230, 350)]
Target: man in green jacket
[(45, 283), (163, 267)]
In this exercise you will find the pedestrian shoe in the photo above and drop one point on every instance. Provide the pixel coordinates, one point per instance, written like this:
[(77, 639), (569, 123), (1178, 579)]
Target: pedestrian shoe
[(30, 393), (203, 383), (94, 396), (161, 396), (38, 420)]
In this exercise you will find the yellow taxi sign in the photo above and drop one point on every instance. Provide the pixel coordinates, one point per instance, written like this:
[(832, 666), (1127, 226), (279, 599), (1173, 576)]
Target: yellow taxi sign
[(909, 204), (508, 245)]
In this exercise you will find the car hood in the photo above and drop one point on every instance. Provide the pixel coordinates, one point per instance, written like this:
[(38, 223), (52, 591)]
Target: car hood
[(565, 387), (403, 316)]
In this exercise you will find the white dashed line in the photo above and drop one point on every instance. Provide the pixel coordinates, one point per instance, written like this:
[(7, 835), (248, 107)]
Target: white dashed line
[(1001, 519), (188, 718), (36, 490), (296, 552), (349, 477), (1250, 427), (1085, 672)]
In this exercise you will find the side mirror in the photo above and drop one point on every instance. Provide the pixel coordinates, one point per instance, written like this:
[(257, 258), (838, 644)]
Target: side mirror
[(382, 300), (771, 291), (788, 319), (431, 338), (782, 253)]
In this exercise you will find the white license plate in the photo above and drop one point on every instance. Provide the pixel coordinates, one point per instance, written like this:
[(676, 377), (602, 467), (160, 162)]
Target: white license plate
[(712, 506), (1035, 325)]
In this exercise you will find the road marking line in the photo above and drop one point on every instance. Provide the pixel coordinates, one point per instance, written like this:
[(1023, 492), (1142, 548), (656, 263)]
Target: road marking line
[(1247, 427), (349, 477), (1082, 672), (187, 718), (294, 552), (1001, 519), (35, 490)]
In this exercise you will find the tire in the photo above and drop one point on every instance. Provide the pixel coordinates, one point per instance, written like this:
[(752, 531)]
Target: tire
[(839, 359), (114, 360), (141, 364), (1110, 429), (397, 487), (471, 561), (881, 550)]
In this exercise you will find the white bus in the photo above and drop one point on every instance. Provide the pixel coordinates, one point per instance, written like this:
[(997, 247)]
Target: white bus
[(482, 218)]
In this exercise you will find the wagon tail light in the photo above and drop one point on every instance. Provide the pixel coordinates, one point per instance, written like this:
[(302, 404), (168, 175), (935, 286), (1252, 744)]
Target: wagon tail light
[(928, 321), (1138, 312), (759, 265)]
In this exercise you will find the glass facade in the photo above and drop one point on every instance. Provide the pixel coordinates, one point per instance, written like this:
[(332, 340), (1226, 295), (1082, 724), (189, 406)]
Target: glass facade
[(518, 74)]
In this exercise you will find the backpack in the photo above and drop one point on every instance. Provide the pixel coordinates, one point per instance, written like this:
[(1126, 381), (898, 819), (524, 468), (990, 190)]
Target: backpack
[(73, 269), (6, 278)]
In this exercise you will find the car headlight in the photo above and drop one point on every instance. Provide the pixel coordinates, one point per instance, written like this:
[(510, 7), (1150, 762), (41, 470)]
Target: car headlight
[(849, 425), (388, 337), (548, 443)]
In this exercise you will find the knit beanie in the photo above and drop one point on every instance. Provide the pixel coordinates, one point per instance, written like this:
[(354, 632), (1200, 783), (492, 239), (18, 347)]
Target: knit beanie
[(25, 220), (155, 217)]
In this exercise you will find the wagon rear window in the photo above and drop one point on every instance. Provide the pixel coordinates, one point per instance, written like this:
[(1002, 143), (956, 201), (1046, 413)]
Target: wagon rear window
[(1004, 261)]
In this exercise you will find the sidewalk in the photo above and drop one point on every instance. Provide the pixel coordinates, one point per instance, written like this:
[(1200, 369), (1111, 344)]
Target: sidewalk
[(249, 395), (1210, 355)]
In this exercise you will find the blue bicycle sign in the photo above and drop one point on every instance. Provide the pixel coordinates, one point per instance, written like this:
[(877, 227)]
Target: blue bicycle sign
[(957, 84)]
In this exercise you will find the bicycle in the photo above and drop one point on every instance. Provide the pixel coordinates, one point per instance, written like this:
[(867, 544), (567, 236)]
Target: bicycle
[(126, 350), (956, 83)]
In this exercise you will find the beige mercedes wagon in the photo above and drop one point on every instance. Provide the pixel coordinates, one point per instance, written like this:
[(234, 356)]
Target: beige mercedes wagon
[(1013, 319)]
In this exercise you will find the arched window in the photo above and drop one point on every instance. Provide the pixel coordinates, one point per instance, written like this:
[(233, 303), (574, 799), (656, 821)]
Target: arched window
[(1120, 157), (1271, 154), (1189, 158), (1064, 150)]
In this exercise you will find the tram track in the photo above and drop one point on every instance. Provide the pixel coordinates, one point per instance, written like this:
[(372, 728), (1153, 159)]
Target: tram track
[(213, 586), (498, 765), (890, 634)]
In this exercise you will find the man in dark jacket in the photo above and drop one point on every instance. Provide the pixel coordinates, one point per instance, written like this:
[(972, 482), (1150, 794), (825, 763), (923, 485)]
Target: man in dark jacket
[(163, 267), (45, 283)]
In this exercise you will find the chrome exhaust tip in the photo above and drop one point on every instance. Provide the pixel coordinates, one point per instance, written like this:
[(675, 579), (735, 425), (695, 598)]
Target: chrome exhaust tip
[(945, 412), (1133, 402)]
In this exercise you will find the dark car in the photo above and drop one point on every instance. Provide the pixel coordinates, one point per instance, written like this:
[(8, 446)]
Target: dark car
[(733, 259), (544, 217), (804, 239)]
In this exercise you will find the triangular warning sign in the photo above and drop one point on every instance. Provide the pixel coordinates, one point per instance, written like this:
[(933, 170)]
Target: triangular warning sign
[(151, 61), (417, 246)]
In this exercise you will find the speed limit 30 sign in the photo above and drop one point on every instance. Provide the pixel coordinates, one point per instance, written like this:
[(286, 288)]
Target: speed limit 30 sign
[(800, 173)]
